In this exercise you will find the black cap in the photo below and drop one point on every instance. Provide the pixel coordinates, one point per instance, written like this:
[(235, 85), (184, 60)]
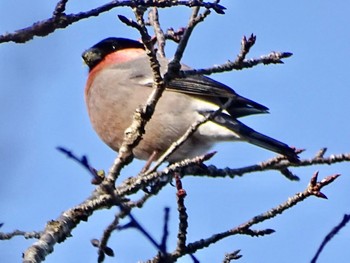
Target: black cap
[(98, 52)]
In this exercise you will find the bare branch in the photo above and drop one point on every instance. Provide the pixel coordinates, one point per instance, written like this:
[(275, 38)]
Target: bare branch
[(192, 129), (154, 21), (60, 20), (313, 188), (107, 233), (175, 35), (181, 208), (60, 8), (330, 236), (165, 230), (97, 176), (25, 234), (246, 45), (134, 184), (174, 65), (58, 230), (272, 58), (232, 256), (107, 194), (102, 245), (276, 163)]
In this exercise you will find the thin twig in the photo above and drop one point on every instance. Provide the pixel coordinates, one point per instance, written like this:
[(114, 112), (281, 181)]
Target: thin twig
[(142, 181), (313, 189), (189, 132), (272, 58), (232, 256), (271, 164), (174, 65), (163, 243), (101, 244), (60, 8), (25, 234), (330, 236), (183, 216), (154, 21), (97, 176)]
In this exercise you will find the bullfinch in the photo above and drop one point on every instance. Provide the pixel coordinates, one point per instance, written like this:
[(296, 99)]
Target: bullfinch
[(120, 79)]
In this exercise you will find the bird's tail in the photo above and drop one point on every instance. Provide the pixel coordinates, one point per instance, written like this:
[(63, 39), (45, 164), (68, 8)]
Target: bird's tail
[(256, 138)]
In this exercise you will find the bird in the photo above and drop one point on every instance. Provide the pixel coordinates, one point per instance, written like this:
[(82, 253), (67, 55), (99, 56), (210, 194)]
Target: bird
[(120, 80)]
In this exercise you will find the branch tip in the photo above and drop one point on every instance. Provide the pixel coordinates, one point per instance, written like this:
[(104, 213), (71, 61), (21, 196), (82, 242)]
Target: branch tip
[(208, 156)]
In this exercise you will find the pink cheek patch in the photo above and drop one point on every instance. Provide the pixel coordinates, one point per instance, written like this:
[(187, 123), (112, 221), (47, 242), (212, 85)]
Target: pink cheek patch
[(120, 56)]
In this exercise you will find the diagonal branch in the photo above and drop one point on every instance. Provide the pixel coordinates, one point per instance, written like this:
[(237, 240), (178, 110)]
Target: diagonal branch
[(189, 132), (174, 65), (153, 17), (313, 189), (329, 237), (56, 231)]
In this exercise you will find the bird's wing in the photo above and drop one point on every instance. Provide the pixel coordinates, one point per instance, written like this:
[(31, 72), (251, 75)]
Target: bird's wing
[(203, 88), (216, 92)]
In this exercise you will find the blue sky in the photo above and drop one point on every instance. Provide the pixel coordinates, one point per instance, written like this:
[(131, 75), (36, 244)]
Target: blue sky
[(42, 107)]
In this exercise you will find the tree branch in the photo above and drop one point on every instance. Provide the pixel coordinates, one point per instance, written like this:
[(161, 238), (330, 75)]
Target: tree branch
[(25, 234), (313, 189), (60, 20), (277, 163), (330, 236)]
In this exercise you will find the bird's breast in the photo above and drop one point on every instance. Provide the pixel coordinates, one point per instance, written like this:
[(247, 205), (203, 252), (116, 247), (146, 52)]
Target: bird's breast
[(112, 99)]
